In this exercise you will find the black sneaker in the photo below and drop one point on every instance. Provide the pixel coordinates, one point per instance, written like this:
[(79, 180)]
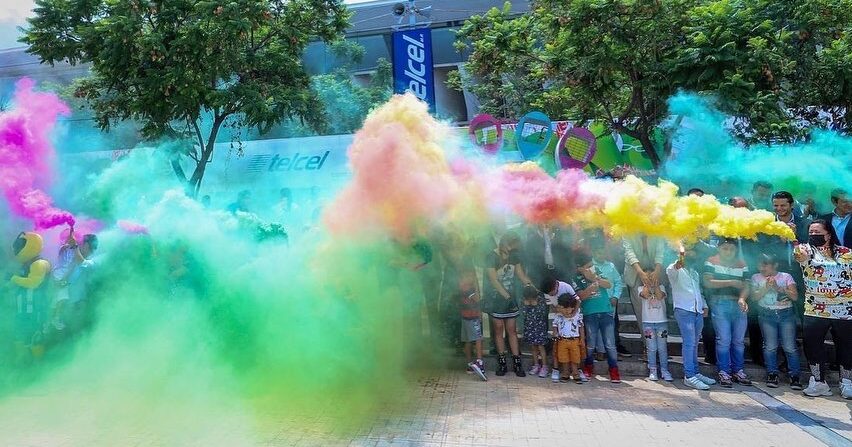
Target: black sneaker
[(622, 351), (795, 383), (518, 366), (741, 378), (725, 380), (502, 368), (772, 380)]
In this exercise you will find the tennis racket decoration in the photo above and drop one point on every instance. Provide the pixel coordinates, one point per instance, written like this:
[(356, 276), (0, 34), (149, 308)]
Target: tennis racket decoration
[(576, 148), (533, 133), (486, 133)]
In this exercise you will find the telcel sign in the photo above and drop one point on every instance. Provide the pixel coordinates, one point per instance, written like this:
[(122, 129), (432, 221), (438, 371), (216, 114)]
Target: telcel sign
[(412, 64)]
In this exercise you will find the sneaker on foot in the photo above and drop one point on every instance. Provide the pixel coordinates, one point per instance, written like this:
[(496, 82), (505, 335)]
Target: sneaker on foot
[(534, 370), (583, 376), (742, 378), (542, 372), (695, 382), (564, 379), (772, 380), (554, 375), (478, 370), (614, 376), (795, 383), (667, 376), (579, 380), (705, 379), (622, 351), (589, 370), (846, 389), (652, 376), (816, 389), (725, 380)]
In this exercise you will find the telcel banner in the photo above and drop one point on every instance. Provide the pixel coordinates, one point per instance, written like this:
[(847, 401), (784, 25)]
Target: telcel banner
[(412, 64)]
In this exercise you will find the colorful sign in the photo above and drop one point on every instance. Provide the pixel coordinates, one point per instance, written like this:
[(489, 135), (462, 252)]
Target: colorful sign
[(533, 133), (575, 148), (486, 132), (412, 64)]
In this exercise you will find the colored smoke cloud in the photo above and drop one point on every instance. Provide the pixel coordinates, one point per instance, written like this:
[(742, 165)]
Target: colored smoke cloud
[(25, 155)]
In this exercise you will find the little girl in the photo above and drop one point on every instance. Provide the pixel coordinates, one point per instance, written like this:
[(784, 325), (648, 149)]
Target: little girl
[(656, 331), (535, 329)]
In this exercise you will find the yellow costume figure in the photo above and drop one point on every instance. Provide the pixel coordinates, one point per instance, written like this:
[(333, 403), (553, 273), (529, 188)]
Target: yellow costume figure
[(30, 293)]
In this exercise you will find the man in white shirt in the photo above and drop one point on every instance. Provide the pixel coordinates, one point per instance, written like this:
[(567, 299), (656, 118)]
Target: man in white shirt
[(690, 308)]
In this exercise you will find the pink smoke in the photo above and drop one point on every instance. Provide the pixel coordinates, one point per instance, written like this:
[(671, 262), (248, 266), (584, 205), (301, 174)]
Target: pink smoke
[(539, 198), (25, 155), (132, 227)]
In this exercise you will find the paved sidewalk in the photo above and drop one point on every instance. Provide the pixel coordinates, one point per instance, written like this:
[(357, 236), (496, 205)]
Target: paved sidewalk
[(456, 409)]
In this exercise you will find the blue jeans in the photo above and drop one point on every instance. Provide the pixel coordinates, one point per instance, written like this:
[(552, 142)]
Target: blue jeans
[(772, 324), (656, 342), (691, 324), (730, 324), (600, 325)]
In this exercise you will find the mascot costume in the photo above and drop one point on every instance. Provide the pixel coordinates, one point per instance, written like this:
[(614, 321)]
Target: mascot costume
[(30, 290)]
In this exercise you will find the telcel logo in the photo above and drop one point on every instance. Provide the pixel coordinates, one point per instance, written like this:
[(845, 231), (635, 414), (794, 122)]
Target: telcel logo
[(298, 162), (415, 68)]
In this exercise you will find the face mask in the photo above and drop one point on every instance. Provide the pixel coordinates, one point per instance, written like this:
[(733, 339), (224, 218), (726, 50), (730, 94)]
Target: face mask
[(817, 240)]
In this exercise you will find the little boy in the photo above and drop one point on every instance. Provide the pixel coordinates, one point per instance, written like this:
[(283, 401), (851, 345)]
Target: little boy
[(569, 337), (471, 324)]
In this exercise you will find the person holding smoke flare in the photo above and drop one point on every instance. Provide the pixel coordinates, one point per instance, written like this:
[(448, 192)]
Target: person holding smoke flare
[(503, 266), (726, 283), (827, 269), (30, 292)]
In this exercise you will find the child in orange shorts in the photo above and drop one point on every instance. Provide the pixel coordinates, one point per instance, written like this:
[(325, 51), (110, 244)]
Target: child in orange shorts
[(568, 332)]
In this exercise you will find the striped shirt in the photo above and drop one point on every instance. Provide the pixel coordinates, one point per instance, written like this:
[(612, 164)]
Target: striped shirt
[(720, 272)]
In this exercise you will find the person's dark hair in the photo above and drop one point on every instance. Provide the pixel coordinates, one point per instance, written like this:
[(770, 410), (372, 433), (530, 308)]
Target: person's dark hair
[(837, 194), (767, 258), (761, 184), (728, 240), (783, 195), (733, 200), (833, 239), (581, 258), (509, 238), (567, 300), (695, 190), (91, 239), (548, 284), (530, 292)]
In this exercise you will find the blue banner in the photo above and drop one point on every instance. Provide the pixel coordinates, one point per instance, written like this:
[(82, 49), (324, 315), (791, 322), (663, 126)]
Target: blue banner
[(412, 64)]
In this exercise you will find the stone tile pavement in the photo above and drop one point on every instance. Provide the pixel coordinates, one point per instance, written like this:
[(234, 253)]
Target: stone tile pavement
[(452, 408)]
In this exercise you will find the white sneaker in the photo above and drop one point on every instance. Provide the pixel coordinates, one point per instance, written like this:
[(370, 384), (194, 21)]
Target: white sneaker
[(478, 369), (816, 389), (653, 375), (583, 376), (535, 369), (706, 380), (667, 376), (542, 372), (846, 388), (554, 375), (695, 382)]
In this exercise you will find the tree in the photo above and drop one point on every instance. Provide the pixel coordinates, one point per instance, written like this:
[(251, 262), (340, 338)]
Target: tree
[(778, 67), (186, 68)]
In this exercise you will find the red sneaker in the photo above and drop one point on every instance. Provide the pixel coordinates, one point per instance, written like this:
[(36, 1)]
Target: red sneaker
[(589, 370), (614, 376)]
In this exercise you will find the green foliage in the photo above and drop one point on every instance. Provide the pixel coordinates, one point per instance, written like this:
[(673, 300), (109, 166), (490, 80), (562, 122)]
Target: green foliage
[(184, 67), (778, 67)]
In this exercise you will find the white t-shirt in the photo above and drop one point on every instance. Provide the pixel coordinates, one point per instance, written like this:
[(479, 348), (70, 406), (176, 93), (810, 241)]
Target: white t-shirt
[(561, 289), (654, 310), (770, 300), (568, 326)]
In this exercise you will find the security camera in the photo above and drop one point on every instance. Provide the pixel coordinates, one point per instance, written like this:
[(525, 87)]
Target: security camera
[(398, 9)]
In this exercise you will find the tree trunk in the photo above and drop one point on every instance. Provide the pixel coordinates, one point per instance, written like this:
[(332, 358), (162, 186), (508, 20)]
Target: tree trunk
[(648, 146), (194, 183)]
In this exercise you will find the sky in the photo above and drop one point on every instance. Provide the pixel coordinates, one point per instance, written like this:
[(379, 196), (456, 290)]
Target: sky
[(13, 13)]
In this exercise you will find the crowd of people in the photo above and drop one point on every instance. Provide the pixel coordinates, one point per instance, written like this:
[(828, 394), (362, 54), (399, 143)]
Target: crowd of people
[(561, 287), (557, 290)]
